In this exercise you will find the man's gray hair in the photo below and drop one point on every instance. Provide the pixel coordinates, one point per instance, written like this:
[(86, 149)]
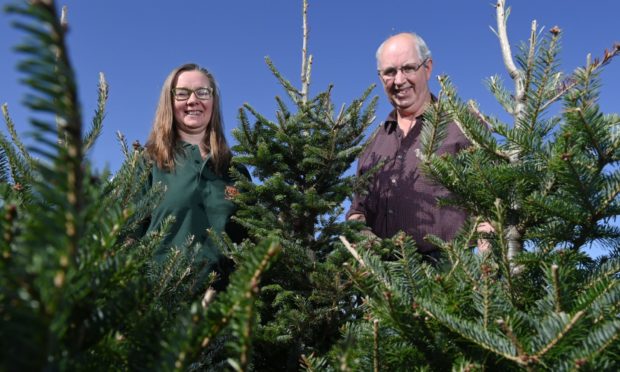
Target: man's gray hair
[(420, 44)]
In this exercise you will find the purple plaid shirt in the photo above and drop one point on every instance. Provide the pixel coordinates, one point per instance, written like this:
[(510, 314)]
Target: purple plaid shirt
[(400, 197)]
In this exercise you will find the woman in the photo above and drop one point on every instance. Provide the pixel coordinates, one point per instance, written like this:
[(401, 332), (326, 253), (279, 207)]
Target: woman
[(190, 157)]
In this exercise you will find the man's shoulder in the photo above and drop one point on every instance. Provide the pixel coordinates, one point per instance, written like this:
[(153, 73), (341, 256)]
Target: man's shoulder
[(379, 130), (386, 127)]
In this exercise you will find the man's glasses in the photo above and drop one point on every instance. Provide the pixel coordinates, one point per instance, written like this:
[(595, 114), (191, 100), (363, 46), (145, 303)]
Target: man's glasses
[(407, 70), (183, 94)]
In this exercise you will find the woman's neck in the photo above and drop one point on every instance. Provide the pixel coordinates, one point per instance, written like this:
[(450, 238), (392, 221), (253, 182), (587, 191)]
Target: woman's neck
[(194, 139)]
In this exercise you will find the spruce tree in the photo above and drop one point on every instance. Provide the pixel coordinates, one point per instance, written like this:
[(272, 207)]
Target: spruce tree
[(548, 184), (299, 161), (78, 287)]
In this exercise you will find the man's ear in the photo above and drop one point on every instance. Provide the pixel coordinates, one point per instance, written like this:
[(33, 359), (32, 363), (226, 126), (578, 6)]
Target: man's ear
[(428, 67)]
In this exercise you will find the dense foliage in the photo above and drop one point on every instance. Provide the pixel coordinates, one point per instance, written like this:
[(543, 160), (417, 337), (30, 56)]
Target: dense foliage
[(79, 290), (546, 182)]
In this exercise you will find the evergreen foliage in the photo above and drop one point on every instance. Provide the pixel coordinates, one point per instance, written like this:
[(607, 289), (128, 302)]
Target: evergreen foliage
[(547, 182), (77, 289), (300, 161)]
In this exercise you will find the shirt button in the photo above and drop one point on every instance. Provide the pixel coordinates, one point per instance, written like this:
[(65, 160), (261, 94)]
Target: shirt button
[(399, 157), (393, 181), (390, 211)]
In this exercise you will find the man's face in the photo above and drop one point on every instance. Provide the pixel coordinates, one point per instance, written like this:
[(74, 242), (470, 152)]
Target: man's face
[(406, 88)]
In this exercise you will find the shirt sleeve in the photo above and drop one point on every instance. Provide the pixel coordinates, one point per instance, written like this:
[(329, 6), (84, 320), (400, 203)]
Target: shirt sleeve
[(358, 203)]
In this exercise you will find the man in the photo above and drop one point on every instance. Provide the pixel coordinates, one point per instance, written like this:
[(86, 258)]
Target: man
[(400, 197)]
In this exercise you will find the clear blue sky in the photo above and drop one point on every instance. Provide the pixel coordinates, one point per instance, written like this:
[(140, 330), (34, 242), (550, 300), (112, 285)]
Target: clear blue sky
[(136, 43)]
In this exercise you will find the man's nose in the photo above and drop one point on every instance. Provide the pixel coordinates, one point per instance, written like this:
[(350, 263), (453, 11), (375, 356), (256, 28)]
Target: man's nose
[(400, 77)]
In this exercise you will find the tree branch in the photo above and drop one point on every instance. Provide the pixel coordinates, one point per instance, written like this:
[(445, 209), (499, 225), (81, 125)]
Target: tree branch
[(352, 250), (513, 71), (305, 61), (502, 18)]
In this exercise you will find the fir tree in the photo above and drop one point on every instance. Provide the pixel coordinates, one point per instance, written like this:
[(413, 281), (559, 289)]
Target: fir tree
[(299, 161), (547, 183), (77, 289), (77, 292)]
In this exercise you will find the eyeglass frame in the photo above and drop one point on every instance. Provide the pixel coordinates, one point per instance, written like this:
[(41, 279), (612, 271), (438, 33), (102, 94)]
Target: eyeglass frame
[(192, 91), (396, 69)]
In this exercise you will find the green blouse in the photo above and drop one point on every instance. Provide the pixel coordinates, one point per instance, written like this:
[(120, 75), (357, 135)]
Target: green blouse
[(199, 199)]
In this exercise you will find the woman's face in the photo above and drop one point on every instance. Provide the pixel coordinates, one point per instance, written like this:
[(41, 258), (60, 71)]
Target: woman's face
[(192, 115)]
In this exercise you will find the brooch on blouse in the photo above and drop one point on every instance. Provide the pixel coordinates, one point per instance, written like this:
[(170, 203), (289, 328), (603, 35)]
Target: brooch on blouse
[(230, 192)]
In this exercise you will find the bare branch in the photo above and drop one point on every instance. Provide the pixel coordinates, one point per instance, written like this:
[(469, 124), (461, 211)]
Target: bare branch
[(352, 250), (375, 327), (305, 61), (471, 106), (307, 81), (502, 17), (64, 23), (513, 71)]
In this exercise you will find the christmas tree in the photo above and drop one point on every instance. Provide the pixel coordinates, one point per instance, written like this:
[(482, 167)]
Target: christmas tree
[(77, 289), (299, 161), (548, 185)]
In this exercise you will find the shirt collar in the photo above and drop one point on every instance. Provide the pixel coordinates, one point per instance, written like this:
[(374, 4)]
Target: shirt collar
[(391, 122), (184, 144)]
